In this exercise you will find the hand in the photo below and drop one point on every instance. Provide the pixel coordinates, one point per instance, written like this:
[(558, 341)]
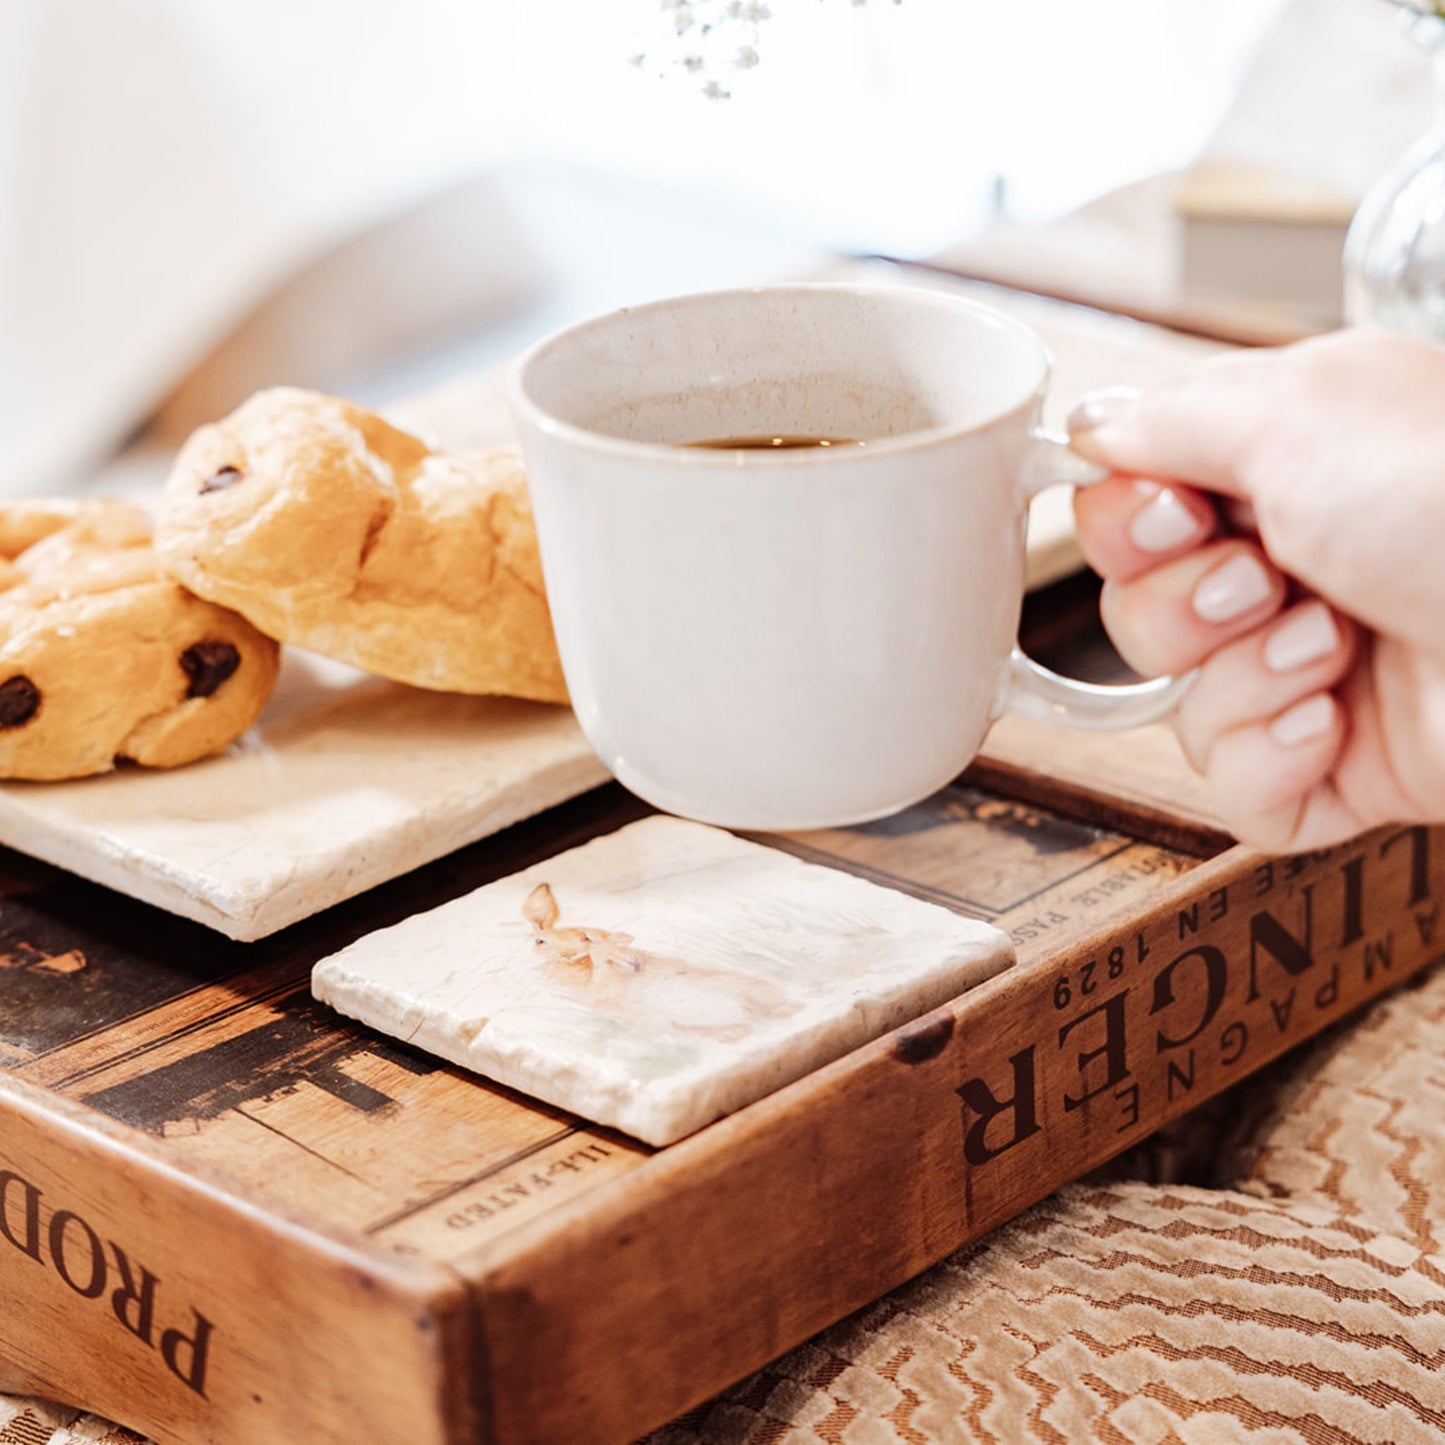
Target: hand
[(1277, 520)]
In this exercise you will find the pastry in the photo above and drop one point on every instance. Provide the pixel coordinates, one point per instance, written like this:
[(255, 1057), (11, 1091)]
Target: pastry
[(328, 528), (102, 657)]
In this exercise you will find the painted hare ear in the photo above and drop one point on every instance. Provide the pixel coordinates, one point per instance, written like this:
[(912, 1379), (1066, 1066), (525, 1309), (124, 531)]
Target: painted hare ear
[(540, 909)]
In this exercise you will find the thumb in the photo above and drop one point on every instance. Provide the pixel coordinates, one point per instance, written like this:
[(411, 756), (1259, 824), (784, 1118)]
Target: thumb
[(1198, 428)]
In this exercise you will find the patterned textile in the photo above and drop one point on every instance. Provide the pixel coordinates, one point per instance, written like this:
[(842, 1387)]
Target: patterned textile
[(34, 1422), (1124, 1313), (1356, 1122)]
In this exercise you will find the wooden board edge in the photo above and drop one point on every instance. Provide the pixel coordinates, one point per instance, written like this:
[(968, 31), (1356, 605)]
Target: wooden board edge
[(943, 1130), (189, 1309), (1115, 808), (16, 1381), (1202, 322)]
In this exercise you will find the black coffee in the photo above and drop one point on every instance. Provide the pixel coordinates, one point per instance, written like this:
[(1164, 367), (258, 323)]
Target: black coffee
[(774, 443)]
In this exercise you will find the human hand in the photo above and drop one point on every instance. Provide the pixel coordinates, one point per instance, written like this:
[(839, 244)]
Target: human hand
[(1277, 520)]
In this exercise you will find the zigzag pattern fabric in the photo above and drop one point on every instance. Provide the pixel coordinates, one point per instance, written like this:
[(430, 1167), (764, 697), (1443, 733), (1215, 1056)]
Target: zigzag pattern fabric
[(1356, 1122), (1125, 1313), (37, 1422)]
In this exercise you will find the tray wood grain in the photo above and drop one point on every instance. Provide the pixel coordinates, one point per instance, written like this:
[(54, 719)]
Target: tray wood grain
[(176, 1110)]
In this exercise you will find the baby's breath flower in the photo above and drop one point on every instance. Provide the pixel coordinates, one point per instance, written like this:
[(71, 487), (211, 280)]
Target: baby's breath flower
[(710, 39)]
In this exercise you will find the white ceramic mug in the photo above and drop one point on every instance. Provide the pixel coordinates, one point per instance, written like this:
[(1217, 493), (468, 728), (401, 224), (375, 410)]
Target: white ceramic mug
[(801, 638)]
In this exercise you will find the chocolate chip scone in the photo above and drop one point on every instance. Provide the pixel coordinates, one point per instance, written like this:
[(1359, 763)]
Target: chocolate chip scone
[(102, 657), (328, 528)]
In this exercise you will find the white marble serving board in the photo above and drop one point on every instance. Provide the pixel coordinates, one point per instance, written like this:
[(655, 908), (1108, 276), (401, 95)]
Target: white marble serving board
[(660, 977), (347, 781)]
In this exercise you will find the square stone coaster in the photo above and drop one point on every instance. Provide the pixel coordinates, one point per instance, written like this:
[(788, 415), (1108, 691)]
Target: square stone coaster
[(660, 977), (345, 782)]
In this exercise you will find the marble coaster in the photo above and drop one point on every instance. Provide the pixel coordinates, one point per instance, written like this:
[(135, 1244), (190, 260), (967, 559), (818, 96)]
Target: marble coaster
[(660, 977), (345, 782)]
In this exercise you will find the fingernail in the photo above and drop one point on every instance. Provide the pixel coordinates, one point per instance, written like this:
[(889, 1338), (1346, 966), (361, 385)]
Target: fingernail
[(1309, 719), (1163, 523), (1232, 589), (1099, 407), (1305, 636)]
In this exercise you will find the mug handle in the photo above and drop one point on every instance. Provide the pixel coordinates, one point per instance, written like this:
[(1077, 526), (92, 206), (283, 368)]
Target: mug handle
[(1033, 691)]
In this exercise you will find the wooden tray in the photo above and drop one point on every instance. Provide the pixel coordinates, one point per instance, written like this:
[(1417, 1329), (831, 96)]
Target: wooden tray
[(230, 1216)]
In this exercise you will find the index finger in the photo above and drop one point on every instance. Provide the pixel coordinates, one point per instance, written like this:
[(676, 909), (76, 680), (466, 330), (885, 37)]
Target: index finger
[(1197, 428)]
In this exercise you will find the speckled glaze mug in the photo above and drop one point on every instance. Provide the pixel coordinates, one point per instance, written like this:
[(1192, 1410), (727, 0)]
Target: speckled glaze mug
[(809, 637)]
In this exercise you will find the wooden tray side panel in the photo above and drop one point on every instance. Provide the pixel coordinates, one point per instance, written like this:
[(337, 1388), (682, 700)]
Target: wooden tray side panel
[(615, 1314), (314, 1117), (148, 1296)]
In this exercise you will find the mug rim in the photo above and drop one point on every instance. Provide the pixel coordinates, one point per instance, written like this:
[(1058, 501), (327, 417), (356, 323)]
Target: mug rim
[(544, 421)]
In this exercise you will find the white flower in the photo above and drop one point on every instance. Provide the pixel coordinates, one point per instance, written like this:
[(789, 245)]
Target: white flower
[(721, 38)]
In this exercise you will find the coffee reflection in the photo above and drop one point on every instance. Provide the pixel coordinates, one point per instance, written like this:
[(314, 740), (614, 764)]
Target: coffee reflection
[(773, 443)]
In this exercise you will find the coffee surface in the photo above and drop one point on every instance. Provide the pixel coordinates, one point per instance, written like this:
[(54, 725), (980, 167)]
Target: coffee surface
[(768, 443)]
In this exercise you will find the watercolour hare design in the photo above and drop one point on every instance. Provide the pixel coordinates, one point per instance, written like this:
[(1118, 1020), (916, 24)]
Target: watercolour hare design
[(619, 978)]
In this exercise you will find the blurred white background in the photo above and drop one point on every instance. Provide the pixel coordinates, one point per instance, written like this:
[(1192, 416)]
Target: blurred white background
[(165, 164)]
